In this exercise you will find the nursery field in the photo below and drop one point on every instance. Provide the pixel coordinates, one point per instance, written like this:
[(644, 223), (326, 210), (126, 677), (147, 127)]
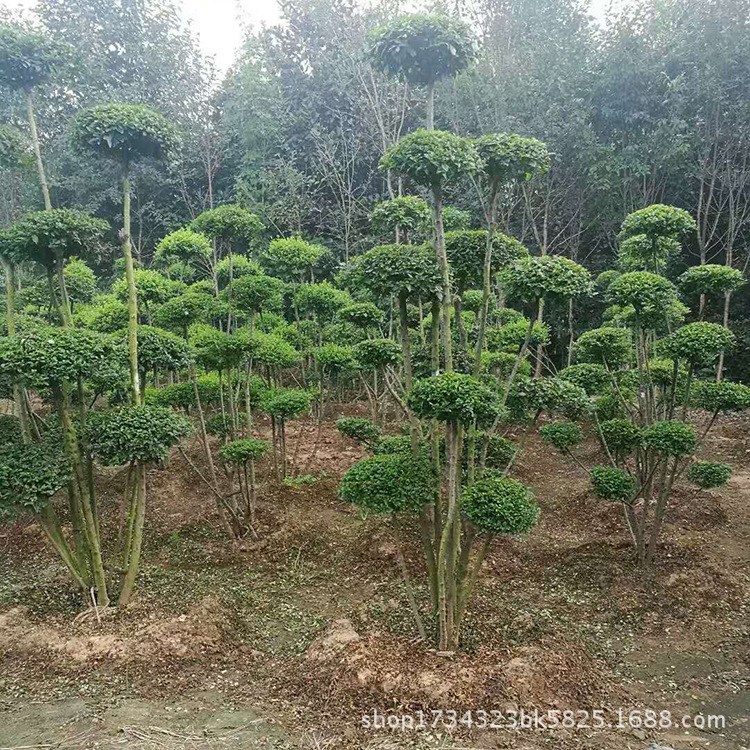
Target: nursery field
[(288, 642)]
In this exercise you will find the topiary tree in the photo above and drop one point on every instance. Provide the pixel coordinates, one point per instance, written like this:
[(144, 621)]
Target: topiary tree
[(29, 59), (242, 455), (507, 159), (184, 247), (126, 133), (374, 356), (434, 159), (362, 430), (423, 49), (283, 404), (405, 218), (134, 436), (255, 294), (291, 259)]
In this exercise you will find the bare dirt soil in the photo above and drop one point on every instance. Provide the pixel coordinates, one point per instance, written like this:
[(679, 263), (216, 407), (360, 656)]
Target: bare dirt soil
[(288, 641)]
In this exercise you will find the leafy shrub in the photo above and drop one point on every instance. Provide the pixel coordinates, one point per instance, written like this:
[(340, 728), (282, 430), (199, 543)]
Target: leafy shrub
[(135, 433), (285, 403), (710, 279), (554, 396), (232, 267), (290, 258), (373, 354), (30, 474), (501, 364), (532, 278), (511, 336), (670, 437), (453, 397), (335, 359), (274, 351), (244, 450), (509, 157), (698, 343), (563, 435), (229, 222), (389, 483), (724, 396), (707, 474), (620, 435), (500, 505), (255, 293), (607, 346), (362, 314), (184, 245), (362, 430), (593, 378), (28, 58), (648, 294), (10, 429), (390, 444), (612, 484), (408, 212), (466, 250), (161, 350), (180, 312), (658, 220)]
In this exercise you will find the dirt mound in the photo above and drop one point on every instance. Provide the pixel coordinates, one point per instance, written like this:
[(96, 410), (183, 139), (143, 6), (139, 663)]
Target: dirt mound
[(376, 667), (199, 631)]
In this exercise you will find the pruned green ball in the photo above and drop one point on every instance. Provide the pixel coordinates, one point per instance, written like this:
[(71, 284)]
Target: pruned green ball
[(335, 359), (710, 279), (432, 157), (125, 132), (699, 343), (533, 278), (620, 435), (135, 434), (658, 220), (388, 444), (563, 435), (724, 396), (28, 58), (422, 48), (359, 429), (708, 474), (552, 395), (161, 350), (361, 314), (30, 474), (593, 378), (290, 258), (244, 450), (184, 245), (669, 437), (466, 253), (455, 397), (323, 299), (389, 483), (407, 212), (500, 506), (255, 293), (607, 346), (274, 351), (286, 403), (509, 157), (511, 336), (230, 223), (649, 295), (373, 354), (612, 484)]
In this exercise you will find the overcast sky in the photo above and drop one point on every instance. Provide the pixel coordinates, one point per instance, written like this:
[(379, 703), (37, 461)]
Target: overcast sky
[(220, 23)]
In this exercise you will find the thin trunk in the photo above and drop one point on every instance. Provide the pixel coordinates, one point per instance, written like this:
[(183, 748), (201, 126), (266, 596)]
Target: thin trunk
[(37, 151), (136, 543), (135, 385), (445, 270)]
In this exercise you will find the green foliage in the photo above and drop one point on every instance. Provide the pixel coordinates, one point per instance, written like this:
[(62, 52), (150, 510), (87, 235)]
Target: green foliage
[(126, 132), (372, 354), (407, 212), (707, 474), (511, 336), (239, 452), (389, 483), (466, 250), (182, 395), (670, 437), (257, 293), (44, 355), (290, 258), (532, 278), (30, 474), (13, 147), (612, 484), (28, 58), (152, 288), (232, 267), (362, 430), (453, 396), (563, 435), (285, 403), (500, 450), (80, 281), (230, 223), (215, 350), (184, 245), (456, 220), (392, 444), (432, 157), (409, 270), (593, 378), (335, 359), (180, 312), (135, 434), (45, 236), (721, 397), (274, 351), (500, 505), (605, 278), (422, 48), (362, 314), (607, 346), (161, 350), (698, 343), (658, 220), (501, 364), (648, 294), (323, 299), (620, 435), (552, 395), (10, 429), (710, 279), (107, 315), (643, 253), (509, 157)]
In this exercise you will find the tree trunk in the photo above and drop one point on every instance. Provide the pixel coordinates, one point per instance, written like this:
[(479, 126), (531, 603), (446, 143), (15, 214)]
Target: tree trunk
[(37, 151), (135, 385), (445, 270)]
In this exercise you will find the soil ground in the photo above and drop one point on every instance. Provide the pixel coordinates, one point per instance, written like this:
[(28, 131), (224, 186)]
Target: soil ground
[(287, 642)]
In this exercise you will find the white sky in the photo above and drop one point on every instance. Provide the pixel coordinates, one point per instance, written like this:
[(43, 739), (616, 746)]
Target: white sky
[(220, 23)]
